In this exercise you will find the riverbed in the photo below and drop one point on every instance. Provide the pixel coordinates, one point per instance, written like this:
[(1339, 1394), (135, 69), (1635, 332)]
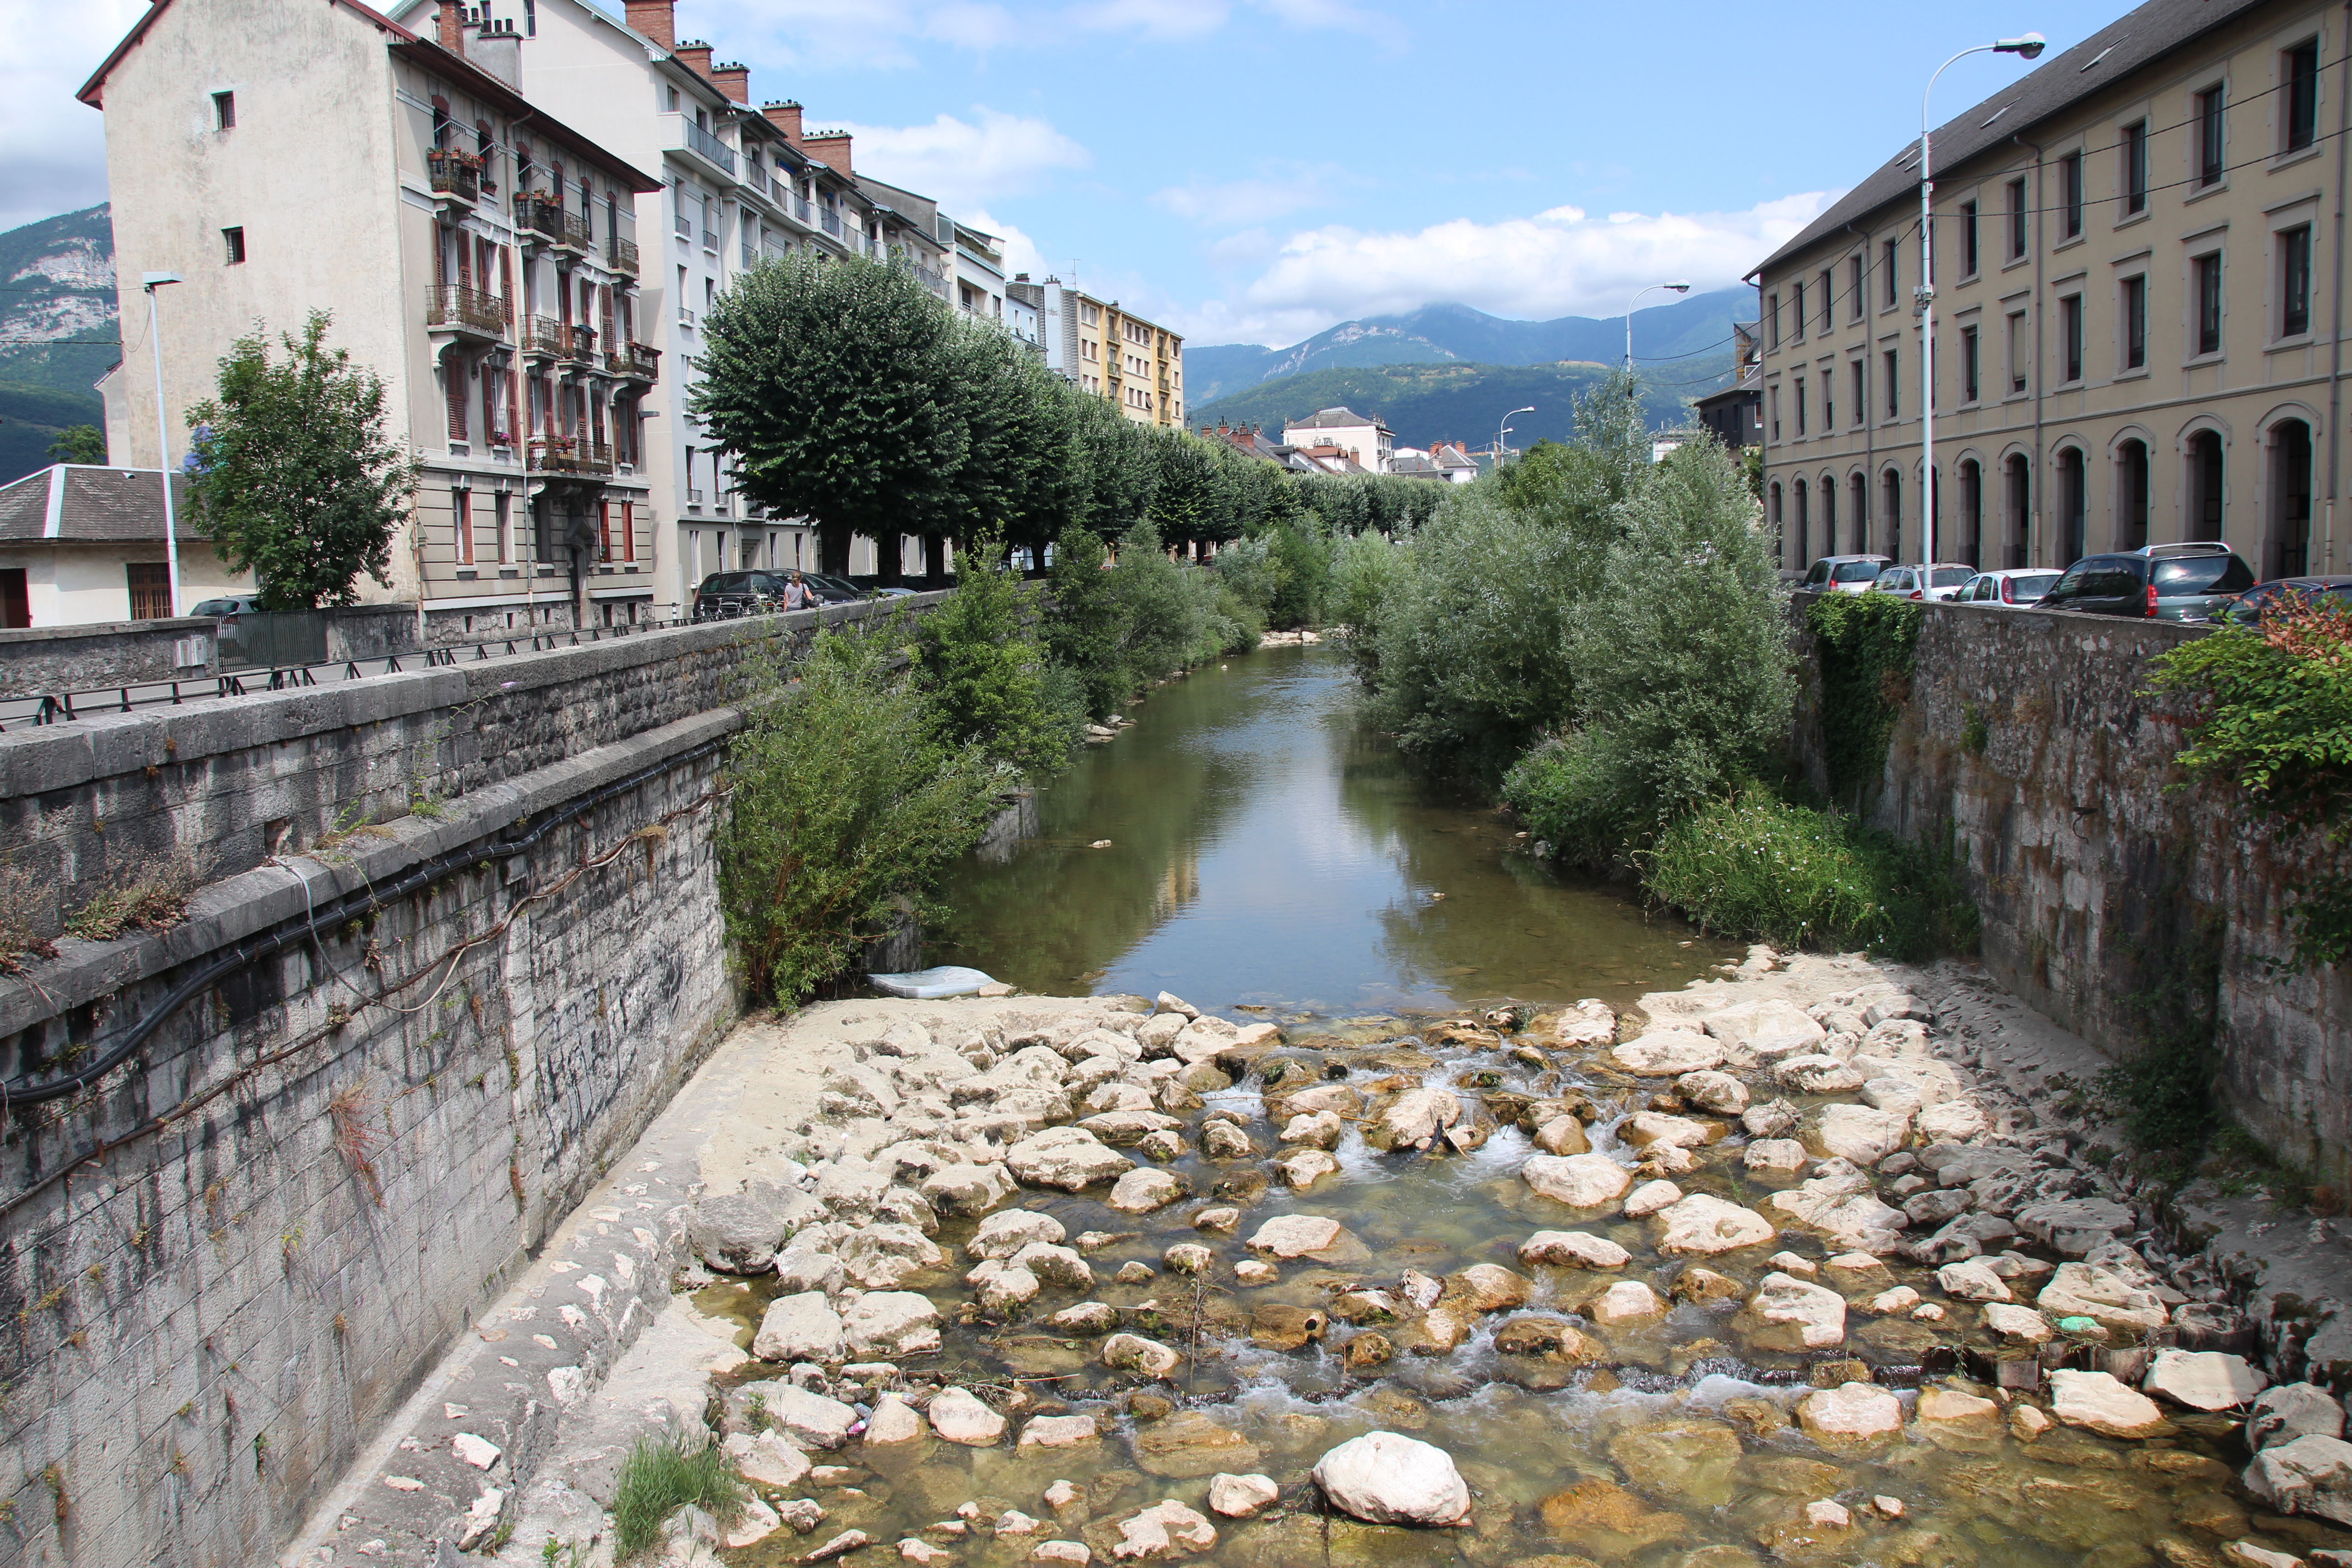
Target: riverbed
[(1267, 847)]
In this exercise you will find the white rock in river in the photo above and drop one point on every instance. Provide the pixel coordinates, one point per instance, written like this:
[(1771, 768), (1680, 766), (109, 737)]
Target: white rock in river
[(1057, 1266), (1668, 1053), (1850, 1412), (1817, 1074), (1645, 1129), (1133, 1353), (2310, 1475), (1782, 1154), (2073, 1226), (1580, 1181), (2011, 1322), (1069, 1158), (1627, 1302), (1705, 1225), (1716, 1091), (1859, 1134), (1058, 1432), (1006, 1232), (883, 1257), (1144, 1189), (1296, 1235), (1413, 1118), (1305, 1167), (1574, 1248), (1002, 1287), (1844, 1206), (766, 1458), (891, 1323), (957, 1416), (2294, 1410), (1972, 1280), (1952, 1121), (809, 1418), (1591, 1022), (2203, 1380), (1650, 1197), (2096, 1401), (803, 1327), (1788, 1314), (1768, 1029), (1383, 1478), (1240, 1496), (1166, 1528), (2085, 1290), (969, 1189)]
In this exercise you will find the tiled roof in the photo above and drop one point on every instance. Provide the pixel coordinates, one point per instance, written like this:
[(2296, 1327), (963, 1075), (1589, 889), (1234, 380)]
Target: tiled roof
[(2136, 40), (1332, 419), (70, 504)]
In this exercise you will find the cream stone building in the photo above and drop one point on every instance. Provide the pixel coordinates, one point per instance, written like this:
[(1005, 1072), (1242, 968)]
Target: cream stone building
[(1120, 356), (2138, 310), (476, 253)]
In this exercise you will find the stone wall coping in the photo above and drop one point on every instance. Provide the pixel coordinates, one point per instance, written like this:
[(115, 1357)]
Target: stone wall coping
[(226, 912), (2050, 623), (63, 756), (20, 637)]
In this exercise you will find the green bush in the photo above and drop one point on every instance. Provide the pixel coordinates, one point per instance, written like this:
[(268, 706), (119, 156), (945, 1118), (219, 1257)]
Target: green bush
[(656, 1481), (1302, 559), (1756, 866), (984, 670), (1088, 629), (847, 803), (1866, 642)]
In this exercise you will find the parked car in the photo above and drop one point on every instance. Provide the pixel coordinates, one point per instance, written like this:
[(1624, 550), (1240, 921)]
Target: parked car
[(2336, 592), (2014, 587), (2192, 581), (832, 589), (728, 594), (227, 612), (235, 605), (1942, 581), (1845, 574)]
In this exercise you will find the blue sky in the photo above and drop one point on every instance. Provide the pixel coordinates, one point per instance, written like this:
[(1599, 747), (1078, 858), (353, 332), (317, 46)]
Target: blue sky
[(1257, 170)]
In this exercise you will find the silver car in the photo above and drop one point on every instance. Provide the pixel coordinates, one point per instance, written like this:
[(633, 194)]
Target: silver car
[(2014, 588), (1845, 573), (1942, 581)]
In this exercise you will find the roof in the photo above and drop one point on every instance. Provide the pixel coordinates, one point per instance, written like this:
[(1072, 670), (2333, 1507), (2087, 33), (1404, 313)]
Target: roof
[(1334, 419), (68, 503), (1747, 390), (2098, 63)]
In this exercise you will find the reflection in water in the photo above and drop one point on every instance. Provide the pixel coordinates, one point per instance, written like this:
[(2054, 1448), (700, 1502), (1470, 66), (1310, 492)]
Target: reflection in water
[(1267, 847)]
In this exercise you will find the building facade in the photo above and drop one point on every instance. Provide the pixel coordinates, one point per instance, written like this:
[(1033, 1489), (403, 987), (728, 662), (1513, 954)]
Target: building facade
[(81, 544), (1365, 438), (2138, 310), (1118, 356)]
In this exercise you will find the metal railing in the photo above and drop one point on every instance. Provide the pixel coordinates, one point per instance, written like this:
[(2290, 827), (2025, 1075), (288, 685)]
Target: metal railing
[(453, 174), (455, 306), (570, 455), (634, 360), (539, 212), (622, 254), (580, 345), (709, 239), (800, 208), (702, 143), (542, 335), (832, 222)]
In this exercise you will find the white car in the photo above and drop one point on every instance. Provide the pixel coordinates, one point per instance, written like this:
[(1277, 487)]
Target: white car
[(2014, 588), (1843, 574), (1942, 581)]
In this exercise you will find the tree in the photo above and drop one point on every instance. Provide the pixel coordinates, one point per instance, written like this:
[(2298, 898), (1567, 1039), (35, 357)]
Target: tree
[(79, 444), (986, 673), (1089, 629), (293, 474)]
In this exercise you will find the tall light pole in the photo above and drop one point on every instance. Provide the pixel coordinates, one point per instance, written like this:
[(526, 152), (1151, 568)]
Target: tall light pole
[(1503, 428), (1677, 288), (151, 282), (2029, 46)]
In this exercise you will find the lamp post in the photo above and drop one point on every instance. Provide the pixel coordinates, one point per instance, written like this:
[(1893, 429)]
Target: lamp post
[(2029, 46), (151, 282), (1677, 288), (1503, 428)]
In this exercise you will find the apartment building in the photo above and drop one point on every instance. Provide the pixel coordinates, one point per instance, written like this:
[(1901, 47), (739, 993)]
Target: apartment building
[(2138, 310), (1120, 356), (477, 253), (1364, 439)]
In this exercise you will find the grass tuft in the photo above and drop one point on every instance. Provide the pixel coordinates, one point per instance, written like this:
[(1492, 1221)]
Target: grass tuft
[(656, 1481)]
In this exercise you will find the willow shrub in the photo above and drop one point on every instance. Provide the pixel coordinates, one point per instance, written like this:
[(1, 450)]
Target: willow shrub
[(848, 802), (986, 670)]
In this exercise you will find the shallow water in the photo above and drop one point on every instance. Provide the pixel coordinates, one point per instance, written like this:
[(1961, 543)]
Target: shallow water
[(1267, 847), (1686, 1425)]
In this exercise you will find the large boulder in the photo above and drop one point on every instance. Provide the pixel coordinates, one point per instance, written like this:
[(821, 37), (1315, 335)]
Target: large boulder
[(2098, 1403), (1413, 1118), (1069, 1158), (803, 1327), (1382, 1478), (2293, 1410), (2309, 1475), (2085, 1290), (1788, 1314), (1850, 1413), (1579, 1180), (1002, 1234), (1705, 1225), (1859, 1132), (1841, 1204), (1767, 1029), (957, 1416), (1668, 1053), (739, 1233), (1573, 1249), (2203, 1380), (2073, 1226), (886, 1324), (1591, 1022), (809, 1419)]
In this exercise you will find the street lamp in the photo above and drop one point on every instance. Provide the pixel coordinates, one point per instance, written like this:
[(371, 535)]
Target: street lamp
[(1503, 428), (2029, 46), (1677, 288), (151, 282)]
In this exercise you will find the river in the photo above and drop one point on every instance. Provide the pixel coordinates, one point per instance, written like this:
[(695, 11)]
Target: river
[(1268, 848)]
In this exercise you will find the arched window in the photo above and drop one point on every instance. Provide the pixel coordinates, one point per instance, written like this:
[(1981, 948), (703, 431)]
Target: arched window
[(2017, 514), (2286, 545), (1803, 546), (2207, 486), (1780, 527), (2073, 506), (1829, 514), (1970, 544), (1860, 522), (2131, 495), (1890, 506)]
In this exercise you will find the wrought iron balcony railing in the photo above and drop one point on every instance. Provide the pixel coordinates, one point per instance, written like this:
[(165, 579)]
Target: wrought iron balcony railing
[(455, 174), (453, 306)]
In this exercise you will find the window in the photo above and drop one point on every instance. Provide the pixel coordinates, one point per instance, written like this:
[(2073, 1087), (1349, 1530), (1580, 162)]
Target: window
[(2209, 303), (1829, 404), (1797, 300), (223, 112), (2135, 304), (1800, 406), (1853, 285), (1886, 264), (1776, 414), (1772, 319), (1860, 392), (628, 530), (1969, 361), (2070, 338), (2069, 193), (232, 247), (1894, 384), (503, 508), (149, 583), (2302, 95), (2016, 218), (2135, 171), (1828, 300), (2209, 136), (461, 514), (2018, 359), (604, 530), (1967, 239), (2294, 282)]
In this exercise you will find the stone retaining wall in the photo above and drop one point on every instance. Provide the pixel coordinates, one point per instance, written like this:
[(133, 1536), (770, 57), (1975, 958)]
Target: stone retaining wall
[(2104, 882), (36, 660)]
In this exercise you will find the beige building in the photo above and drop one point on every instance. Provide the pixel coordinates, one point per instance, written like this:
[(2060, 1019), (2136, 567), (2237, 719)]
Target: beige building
[(82, 543), (1119, 355), (2138, 310)]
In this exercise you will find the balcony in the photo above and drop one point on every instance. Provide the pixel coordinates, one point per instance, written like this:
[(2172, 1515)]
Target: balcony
[(537, 212), (633, 361), (801, 209), (580, 345), (468, 312), (455, 174), (571, 455), (542, 335), (621, 255), (710, 239), (710, 149)]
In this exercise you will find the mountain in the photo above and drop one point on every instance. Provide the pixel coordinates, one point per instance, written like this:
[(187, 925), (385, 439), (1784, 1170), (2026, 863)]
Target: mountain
[(1440, 333), (56, 331), (1451, 400)]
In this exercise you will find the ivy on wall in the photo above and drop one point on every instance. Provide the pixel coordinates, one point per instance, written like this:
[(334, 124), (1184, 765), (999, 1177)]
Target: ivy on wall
[(1865, 641)]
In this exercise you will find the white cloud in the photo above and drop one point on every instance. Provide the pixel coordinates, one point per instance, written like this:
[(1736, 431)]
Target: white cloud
[(1020, 252), (1249, 201), (1152, 18), (1559, 263), (54, 148), (959, 162)]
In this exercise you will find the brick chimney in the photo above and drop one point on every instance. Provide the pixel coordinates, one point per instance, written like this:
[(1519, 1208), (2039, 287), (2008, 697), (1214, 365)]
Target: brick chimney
[(450, 21), (697, 54), (785, 117), (735, 81), (830, 148), (656, 19)]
